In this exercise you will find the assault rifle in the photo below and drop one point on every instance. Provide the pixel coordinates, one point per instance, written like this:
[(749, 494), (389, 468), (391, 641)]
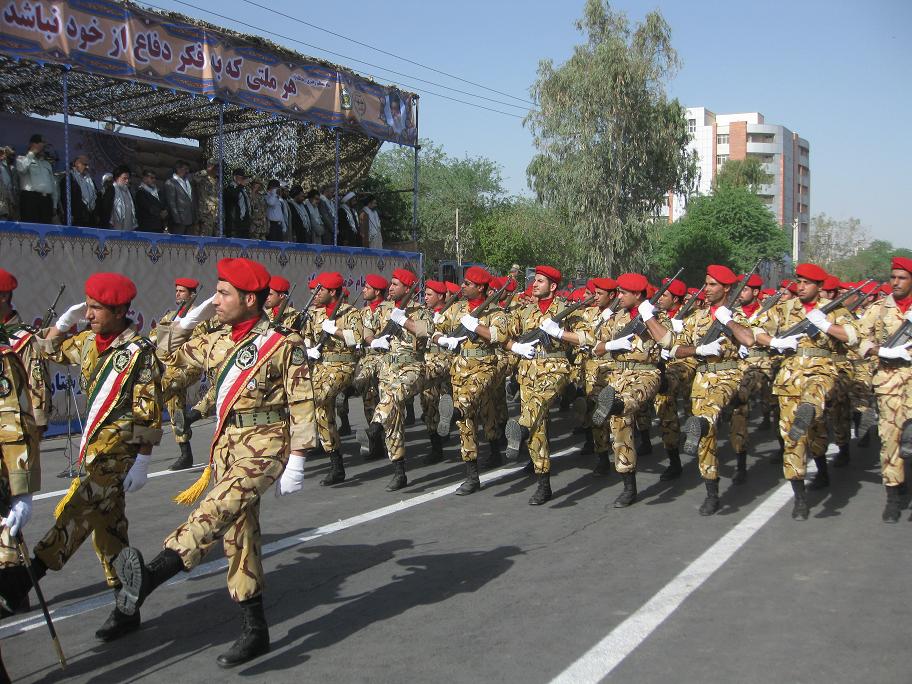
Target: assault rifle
[(480, 311), (324, 336), (718, 327), (769, 303), (303, 314), (51, 312), (901, 337), (185, 307), (392, 328), (277, 321), (544, 338), (685, 310), (804, 326), (636, 325)]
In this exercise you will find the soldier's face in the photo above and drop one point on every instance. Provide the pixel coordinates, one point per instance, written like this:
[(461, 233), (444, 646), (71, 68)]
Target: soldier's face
[(715, 291), (666, 301), (432, 299), (748, 295), (470, 290), (232, 306), (324, 297), (603, 298), (542, 287), (397, 290), (629, 299), (368, 294), (104, 320), (273, 299), (808, 290), (901, 283), (181, 294)]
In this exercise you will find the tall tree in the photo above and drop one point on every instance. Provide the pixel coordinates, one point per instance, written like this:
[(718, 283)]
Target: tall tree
[(831, 240), (872, 261), (610, 143), (747, 173)]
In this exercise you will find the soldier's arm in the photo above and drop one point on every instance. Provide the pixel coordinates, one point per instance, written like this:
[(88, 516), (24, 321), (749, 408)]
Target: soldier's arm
[(147, 401), (843, 327), (419, 323), (659, 329), (39, 383), (300, 394), (185, 366), (20, 464), (767, 326), (60, 349), (868, 329), (352, 333)]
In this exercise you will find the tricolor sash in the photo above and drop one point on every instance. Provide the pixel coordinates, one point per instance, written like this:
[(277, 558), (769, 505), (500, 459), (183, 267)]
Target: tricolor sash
[(20, 338)]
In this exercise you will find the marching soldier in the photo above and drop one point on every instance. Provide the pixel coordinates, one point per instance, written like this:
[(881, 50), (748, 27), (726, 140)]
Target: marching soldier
[(184, 290), (839, 406), (263, 401), (892, 381), (364, 381), (436, 371), (122, 380), (278, 292), (806, 376)]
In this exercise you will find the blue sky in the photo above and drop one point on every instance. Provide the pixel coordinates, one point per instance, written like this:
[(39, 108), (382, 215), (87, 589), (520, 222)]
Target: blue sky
[(837, 72)]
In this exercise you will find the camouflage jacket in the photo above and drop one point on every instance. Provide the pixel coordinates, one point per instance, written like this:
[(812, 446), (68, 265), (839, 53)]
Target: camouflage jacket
[(530, 316), (205, 190), (21, 468), (880, 322), (471, 351), (349, 326), (698, 324), (39, 382), (645, 349), (406, 344)]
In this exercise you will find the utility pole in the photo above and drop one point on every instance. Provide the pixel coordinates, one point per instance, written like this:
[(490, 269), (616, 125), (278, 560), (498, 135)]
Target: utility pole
[(458, 244), (795, 240)]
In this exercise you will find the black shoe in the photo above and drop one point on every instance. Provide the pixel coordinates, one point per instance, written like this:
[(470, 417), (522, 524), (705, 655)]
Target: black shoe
[(528, 467), (801, 510), (867, 419), (15, 585), (711, 502), (345, 428), (842, 458), (822, 478), (740, 476), (801, 423), (446, 409), (399, 480), (766, 423), (254, 639), (138, 580), (628, 496), (409, 412), (606, 404), (435, 455), (589, 444), (694, 430), (472, 484), (516, 435), (372, 441), (117, 625), (580, 408), (567, 396), (644, 448), (495, 458), (892, 509), (185, 460), (336, 472), (674, 469), (603, 467), (543, 492)]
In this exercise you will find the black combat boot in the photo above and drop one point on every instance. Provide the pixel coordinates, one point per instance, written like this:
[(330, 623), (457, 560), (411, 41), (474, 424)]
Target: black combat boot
[(138, 580), (516, 436), (891, 510), (495, 458), (15, 585), (644, 448), (628, 496), (589, 444), (606, 404), (345, 428), (766, 423), (740, 476), (409, 412), (694, 430), (867, 420), (472, 484), (543, 492), (446, 410), (822, 478), (674, 469), (185, 460), (372, 441), (842, 458), (567, 397), (603, 466), (399, 480), (711, 502), (117, 625), (801, 510), (336, 472), (580, 409), (254, 639), (435, 455), (801, 423), (512, 388)]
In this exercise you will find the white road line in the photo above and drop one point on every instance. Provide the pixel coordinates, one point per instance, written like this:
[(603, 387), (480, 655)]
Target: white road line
[(30, 622), (160, 473)]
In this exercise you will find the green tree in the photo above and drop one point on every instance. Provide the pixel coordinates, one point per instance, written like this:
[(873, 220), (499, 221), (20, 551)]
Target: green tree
[(730, 227), (831, 240), (747, 173), (871, 262), (610, 143)]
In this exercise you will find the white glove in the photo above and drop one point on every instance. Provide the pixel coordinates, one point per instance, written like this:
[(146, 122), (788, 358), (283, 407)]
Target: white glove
[(523, 349), (606, 313), (895, 353), (70, 317), (783, 343), (450, 343), (138, 473), (677, 325), (292, 479), (551, 328), (382, 342), (620, 344), (328, 326), (713, 348), (313, 353), (665, 354), (398, 316), (438, 318), (743, 352), (198, 314), (469, 322), (20, 513), (724, 315), (646, 309), (819, 319)]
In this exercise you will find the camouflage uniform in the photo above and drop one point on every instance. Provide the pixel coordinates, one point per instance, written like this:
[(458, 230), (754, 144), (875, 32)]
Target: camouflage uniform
[(177, 402), (364, 381), (289, 316), (97, 504), (756, 380), (206, 192), (595, 371), (678, 380), (273, 415), (259, 226), (23, 340)]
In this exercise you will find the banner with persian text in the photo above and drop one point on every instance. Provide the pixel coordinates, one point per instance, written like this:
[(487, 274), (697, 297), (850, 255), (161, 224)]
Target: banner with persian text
[(123, 41)]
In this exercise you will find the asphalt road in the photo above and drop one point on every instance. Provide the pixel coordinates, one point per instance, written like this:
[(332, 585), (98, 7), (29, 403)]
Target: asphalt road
[(423, 586)]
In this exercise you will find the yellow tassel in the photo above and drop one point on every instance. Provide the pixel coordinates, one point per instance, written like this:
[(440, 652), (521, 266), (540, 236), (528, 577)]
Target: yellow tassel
[(189, 496), (74, 485)]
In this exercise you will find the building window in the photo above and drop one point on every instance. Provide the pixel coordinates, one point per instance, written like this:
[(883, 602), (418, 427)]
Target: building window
[(767, 138), (722, 139), (721, 159), (691, 126)]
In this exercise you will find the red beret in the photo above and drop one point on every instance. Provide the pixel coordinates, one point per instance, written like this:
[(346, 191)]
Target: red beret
[(331, 280), (753, 281), (721, 274), (768, 292), (111, 289), (8, 281), (790, 286), (651, 290), (279, 284), (811, 272), (607, 284), (378, 282), (549, 272), (405, 276), (312, 283), (831, 283), (579, 294), (511, 284), (870, 288), (692, 290), (245, 274), (846, 286), (452, 288), (497, 282), (477, 275), (886, 288), (189, 283), (437, 286), (677, 287), (902, 262), (632, 282)]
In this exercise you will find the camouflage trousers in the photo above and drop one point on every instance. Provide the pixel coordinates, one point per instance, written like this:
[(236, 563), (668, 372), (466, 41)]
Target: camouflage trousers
[(839, 406), (595, 378), (679, 377), (364, 382), (895, 410), (717, 390), (814, 390), (329, 378), (473, 380), (753, 382), (636, 388), (397, 384), (436, 373), (540, 382), (505, 369), (96, 507), (861, 393), (246, 463), (177, 404)]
